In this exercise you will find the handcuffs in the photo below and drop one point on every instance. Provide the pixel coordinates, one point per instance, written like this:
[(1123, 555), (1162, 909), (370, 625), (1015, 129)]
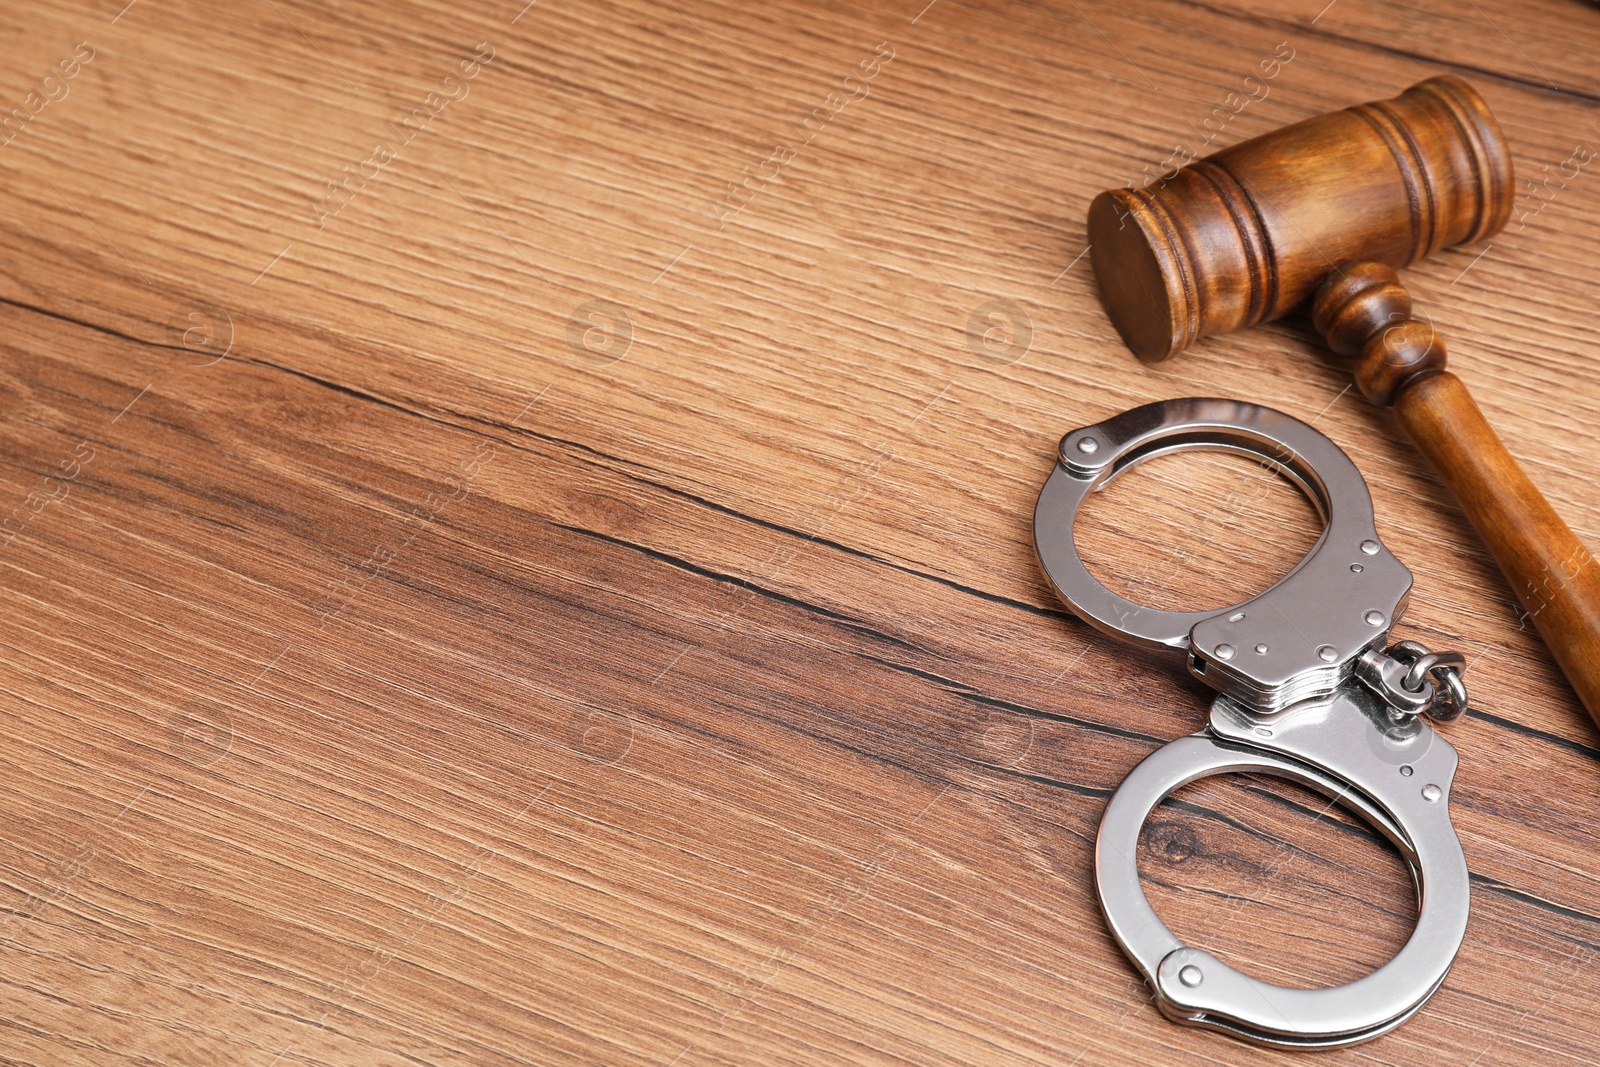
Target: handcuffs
[(1307, 691)]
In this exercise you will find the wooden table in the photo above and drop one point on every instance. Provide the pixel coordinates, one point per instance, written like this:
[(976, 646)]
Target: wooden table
[(519, 541)]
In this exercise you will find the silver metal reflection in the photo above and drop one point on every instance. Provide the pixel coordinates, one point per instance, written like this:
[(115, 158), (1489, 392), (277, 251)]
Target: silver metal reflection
[(1308, 691)]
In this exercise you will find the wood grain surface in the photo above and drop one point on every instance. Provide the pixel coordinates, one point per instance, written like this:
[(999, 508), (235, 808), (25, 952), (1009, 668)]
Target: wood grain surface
[(518, 540)]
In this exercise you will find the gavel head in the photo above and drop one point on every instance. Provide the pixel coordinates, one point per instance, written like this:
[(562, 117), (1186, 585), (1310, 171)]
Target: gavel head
[(1245, 235)]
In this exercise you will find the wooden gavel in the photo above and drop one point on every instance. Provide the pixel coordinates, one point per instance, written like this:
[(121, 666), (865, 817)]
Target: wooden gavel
[(1330, 206)]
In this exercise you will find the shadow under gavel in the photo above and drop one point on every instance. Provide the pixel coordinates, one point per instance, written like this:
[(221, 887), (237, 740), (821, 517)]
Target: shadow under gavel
[(1326, 209)]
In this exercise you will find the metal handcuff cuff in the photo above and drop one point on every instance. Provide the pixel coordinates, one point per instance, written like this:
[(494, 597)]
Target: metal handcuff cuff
[(1307, 692)]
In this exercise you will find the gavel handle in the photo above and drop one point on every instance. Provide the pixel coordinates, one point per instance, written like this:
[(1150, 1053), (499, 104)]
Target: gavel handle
[(1549, 569), (1364, 311)]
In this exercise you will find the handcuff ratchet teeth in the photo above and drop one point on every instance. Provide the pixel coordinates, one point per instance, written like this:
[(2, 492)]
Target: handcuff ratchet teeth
[(1307, 691)]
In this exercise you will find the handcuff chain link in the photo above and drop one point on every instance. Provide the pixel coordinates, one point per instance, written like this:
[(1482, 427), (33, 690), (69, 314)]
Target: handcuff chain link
[(1414, 680)]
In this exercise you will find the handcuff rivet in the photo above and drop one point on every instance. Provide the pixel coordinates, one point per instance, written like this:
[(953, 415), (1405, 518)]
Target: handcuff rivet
[(1224, 652), (1261, 650), (1191, 976), (1375, 618), (1406, 770), (1088, 446), (1431, 793), (1370, 547), (1327, 653), (1237, 616), (1356, 568)]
